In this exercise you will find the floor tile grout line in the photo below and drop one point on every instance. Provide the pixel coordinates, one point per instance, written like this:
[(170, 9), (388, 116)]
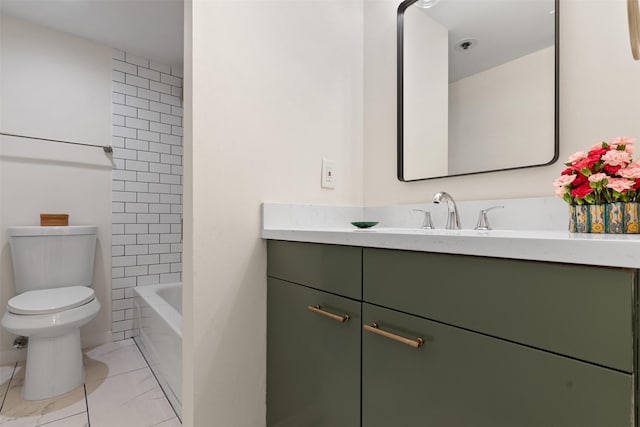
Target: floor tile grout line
[(156, 378), (163, 421), (13, 372), (86, 393), (60, 419), (121, 344), (115, 375), (86, 403)]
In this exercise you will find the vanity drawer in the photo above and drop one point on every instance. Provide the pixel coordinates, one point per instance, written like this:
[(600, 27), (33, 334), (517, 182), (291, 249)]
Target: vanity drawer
[(581, 311), (331, 268)]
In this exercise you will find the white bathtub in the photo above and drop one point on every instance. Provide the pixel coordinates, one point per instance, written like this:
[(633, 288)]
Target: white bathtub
[(159, 323)]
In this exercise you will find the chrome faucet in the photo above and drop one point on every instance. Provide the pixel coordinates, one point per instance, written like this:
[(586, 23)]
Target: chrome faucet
[(453, 220)]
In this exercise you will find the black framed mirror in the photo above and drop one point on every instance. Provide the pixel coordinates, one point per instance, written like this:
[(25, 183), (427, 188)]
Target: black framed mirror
[(477, 86)]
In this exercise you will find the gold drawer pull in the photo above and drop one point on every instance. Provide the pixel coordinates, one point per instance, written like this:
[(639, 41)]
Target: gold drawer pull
[(416, 343), (317, 309)]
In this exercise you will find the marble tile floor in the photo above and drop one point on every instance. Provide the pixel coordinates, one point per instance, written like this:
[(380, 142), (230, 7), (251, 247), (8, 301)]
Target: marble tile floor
[(119, 391)]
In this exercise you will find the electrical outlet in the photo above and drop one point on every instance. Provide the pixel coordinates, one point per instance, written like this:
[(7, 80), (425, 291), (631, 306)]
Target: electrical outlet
[(328, 174)]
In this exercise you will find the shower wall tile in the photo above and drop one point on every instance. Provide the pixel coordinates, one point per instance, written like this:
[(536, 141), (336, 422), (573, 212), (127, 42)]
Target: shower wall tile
[(147, 181)]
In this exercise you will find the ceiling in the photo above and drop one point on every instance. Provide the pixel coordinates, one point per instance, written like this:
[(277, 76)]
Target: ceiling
[(151, 29), (504, 30)]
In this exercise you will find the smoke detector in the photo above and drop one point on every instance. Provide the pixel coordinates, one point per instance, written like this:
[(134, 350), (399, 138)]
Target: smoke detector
[(466, 44)]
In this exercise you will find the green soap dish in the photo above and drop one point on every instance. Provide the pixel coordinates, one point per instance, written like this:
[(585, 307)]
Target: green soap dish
[(364, 224)]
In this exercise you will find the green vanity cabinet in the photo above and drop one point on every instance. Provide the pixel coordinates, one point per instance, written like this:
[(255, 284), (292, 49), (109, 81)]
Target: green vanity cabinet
[(459, 378), (447, 340), (313, 361)]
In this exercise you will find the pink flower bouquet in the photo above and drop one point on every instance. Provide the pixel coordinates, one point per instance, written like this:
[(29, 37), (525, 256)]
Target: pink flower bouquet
[(604, 174)]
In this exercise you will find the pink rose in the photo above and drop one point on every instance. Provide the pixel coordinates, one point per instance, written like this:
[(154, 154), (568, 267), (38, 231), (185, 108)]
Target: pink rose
[(560, 192), (597, 177), (631, 171), (616, 158), (619, 184), (578, 155), (564, 180), (623, 140)]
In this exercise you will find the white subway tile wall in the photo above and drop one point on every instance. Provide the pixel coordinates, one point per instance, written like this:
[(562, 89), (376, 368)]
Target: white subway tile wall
[(147, 181)]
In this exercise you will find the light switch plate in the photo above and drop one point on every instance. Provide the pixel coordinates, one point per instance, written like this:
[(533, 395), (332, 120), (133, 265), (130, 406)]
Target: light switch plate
[(328, 174)]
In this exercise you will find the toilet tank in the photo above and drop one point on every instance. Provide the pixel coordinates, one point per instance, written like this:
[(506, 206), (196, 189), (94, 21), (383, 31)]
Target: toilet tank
[(52, 257)]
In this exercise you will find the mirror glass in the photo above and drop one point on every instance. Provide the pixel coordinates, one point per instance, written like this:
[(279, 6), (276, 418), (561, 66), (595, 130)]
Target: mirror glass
[(477, 86)]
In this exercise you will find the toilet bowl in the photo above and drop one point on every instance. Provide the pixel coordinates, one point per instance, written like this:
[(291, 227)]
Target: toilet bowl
[(53, 267), (54, 355)]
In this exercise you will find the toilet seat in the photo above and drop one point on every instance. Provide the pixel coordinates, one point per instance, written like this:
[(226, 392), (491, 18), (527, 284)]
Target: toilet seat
[(48, 301)]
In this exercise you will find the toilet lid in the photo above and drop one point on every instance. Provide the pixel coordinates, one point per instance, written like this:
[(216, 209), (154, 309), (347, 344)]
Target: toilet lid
[(50, 300)]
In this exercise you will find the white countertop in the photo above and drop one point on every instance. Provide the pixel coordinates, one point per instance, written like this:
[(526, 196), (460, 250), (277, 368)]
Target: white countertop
[(531, 229), (614, 250)]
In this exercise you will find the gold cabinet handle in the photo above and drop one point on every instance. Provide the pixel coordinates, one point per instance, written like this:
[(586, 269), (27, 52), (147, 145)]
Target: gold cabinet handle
[(317, 309), (416, 343)]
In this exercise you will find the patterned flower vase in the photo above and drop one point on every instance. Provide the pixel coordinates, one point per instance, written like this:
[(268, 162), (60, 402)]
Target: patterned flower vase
[(614, 218), (630, 218), (581, 215), (596, 219), (572, 219)]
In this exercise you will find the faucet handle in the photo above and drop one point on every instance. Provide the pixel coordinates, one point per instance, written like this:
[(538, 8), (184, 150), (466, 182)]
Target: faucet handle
[(483, 221), (426, 222)]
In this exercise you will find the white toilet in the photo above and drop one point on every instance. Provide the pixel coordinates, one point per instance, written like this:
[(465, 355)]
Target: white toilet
[(53, 271)]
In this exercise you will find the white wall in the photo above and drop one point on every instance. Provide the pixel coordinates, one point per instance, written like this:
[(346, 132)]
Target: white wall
[(188, 316), (599, 87), (53, 85), (489, 110), (277, 85), (56, 86)]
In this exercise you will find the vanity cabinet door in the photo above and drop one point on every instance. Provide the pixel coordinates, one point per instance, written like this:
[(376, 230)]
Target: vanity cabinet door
[(460, 378), (313, 361)]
